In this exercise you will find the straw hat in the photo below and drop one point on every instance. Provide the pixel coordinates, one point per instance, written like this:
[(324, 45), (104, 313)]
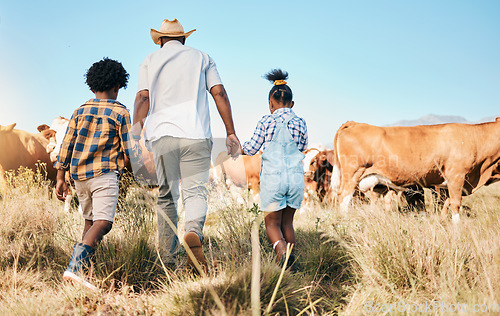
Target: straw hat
[(169, 28)]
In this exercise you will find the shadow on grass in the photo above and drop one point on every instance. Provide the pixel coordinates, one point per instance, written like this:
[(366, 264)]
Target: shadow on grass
[(133, 262), (329, 266)]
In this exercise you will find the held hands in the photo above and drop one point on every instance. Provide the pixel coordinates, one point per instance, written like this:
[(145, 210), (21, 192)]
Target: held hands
[(233, 145)]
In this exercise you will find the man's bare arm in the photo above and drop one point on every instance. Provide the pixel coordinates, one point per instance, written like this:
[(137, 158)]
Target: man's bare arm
[(141, 107), (224, 107)]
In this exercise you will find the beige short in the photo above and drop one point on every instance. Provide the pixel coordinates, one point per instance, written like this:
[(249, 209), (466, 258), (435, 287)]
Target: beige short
[(98, 196)]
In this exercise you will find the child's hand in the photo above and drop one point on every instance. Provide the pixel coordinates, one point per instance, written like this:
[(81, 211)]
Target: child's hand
[(62, 189), (239, 152)]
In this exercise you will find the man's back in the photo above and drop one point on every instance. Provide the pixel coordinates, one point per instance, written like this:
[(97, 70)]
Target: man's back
[(178, 78)]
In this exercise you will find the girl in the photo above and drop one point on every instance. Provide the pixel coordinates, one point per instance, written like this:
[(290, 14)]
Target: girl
[(282, 137)]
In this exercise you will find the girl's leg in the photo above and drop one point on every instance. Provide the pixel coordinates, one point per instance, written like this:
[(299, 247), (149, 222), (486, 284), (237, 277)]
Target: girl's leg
[(273, 221), (95, 233), (289, 234), (287, 225)]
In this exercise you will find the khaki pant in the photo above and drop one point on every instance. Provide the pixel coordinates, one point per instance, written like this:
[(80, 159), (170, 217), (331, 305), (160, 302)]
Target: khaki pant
[(98, 196), (185, 163)]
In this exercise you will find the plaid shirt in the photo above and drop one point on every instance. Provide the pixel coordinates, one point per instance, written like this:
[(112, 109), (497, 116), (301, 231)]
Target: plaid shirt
[(96, 139), (264, 132)]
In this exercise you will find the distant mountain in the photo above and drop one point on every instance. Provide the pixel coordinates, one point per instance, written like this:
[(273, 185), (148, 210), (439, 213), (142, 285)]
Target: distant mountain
[(487, 119), (432, 119)]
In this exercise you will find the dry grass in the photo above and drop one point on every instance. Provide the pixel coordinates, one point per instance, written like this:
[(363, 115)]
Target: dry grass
[(348, 265)]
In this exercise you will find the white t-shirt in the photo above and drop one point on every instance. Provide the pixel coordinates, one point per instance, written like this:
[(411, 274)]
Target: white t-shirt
[(178, 78)]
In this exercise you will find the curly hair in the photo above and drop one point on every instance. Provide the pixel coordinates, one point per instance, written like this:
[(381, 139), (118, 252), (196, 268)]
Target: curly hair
[(281, 93), (106, 74)]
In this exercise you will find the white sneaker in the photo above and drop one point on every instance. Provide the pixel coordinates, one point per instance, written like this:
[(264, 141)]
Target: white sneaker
[(76, 280)]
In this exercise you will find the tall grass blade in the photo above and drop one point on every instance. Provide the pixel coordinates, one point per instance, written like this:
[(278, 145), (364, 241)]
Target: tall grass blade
[(311, 306), (288, 251), (255, 282)]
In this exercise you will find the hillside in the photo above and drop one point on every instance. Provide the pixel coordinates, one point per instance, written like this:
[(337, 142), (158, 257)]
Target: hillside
[(432, 119)]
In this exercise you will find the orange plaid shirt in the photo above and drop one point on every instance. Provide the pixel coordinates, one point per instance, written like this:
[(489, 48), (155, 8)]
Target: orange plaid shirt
[(97, 138)]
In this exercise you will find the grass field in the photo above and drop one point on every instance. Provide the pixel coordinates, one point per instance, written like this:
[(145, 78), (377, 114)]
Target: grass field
[(372, 261)]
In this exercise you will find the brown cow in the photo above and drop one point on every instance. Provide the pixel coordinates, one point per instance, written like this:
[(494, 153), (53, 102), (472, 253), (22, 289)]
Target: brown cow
[(242, 173), (461, 157), (309, 185), (318, 179), (252, 170), (22, 149), (318, 174)]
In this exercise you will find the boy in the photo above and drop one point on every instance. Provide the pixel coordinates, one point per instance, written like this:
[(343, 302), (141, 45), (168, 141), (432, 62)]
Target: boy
[(93, 151)]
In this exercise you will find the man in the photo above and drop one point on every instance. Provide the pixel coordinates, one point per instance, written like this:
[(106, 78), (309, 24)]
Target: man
[(172, 106)]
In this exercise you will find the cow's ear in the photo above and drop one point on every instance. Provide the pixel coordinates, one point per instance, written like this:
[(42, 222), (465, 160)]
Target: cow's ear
[(498, 119), (42, 127), (7, 128), (330, 156)]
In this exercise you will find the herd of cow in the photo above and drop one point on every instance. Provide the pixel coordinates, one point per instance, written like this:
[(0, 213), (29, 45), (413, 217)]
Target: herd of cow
[(453, 160)]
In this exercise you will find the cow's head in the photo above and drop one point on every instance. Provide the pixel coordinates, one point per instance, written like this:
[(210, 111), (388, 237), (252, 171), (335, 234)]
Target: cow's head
[(318, 176), (50, 135)]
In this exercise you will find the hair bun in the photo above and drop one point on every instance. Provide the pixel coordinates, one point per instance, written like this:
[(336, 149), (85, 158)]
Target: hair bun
[(277, 76)]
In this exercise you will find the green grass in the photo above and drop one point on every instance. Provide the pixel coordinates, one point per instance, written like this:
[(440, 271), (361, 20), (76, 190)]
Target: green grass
[(347, 263)]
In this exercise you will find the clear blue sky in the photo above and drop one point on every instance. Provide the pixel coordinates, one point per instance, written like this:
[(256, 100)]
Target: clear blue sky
[(368, 61)]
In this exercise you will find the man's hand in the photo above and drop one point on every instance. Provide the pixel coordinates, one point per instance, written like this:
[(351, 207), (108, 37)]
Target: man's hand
[(233, 145)]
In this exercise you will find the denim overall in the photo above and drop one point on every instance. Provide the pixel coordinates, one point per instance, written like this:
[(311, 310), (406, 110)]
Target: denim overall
[(281, 171)]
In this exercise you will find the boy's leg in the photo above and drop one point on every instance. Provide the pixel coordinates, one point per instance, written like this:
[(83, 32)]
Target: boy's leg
[(195, 169), (98, 197), (104, 191), (166, 157), (96, 232), (82, 253), (88, 224)]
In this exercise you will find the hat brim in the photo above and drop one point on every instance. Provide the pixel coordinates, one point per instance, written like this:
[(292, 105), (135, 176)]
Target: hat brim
[(155, 35)]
